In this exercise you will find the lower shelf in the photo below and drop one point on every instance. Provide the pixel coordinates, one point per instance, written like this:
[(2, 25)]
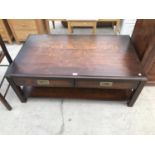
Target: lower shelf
[(78, 93)]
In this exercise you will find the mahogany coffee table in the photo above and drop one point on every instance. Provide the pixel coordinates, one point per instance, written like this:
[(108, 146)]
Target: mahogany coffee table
[(77, 66)]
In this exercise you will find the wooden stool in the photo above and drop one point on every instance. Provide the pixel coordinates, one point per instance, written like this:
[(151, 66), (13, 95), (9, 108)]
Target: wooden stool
[(81, 23)]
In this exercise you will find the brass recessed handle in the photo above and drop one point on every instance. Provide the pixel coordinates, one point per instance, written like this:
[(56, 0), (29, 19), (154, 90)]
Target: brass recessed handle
[(43, 82), (106, 84)]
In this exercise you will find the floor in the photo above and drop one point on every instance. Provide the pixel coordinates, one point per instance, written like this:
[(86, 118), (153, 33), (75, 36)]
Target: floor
[(64, 116)]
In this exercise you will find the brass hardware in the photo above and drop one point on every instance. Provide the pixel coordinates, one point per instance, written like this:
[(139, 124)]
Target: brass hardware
[(43, 82), (106, 84)]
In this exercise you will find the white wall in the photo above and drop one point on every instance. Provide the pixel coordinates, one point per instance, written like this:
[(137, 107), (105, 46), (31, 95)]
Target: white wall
[(127, 26)]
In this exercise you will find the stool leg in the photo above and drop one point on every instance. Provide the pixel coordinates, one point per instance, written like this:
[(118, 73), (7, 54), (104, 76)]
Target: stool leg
[(70, 29), (94, 28), (53, 24), (5, 103), (117, 30)]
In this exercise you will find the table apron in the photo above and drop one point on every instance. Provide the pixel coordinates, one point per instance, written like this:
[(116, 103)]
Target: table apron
[(78, 83)]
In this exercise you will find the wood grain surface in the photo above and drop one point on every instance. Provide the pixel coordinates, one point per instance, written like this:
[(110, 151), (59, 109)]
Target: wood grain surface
[(88, 55)]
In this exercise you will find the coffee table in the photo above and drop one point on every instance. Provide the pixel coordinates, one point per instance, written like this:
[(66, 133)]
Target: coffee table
[(77, 66)]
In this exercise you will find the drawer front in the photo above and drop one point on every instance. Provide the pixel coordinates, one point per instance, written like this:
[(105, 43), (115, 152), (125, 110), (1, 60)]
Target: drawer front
[(3, 34), (1, 31), (23, 24), (106, 84), (22, 35), (44, 82), (1, 24), (1, 28)]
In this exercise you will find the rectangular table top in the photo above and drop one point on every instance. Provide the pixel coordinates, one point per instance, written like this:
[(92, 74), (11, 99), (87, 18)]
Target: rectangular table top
[(77, 55)]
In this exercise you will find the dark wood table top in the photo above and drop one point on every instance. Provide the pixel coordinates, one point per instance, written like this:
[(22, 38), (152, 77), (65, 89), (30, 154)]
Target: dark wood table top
[(82, 55)]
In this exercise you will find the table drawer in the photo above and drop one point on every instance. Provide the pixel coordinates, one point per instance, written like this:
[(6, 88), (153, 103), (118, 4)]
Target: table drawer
[(106, 84), (3, 34), (2, 26), (44, 82), (25, 24), (1, 29)]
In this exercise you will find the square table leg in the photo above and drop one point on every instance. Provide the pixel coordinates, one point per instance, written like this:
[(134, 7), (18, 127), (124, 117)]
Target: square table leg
[(117, 28), (70, 29), (94, 27), (19, 92), (136, 93)]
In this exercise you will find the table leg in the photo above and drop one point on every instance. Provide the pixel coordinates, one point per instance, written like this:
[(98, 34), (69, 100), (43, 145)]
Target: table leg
[(5, 103), (117, 30), (70, 29), (135, 94), (19, 92), (47, 26), (94, 28)]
